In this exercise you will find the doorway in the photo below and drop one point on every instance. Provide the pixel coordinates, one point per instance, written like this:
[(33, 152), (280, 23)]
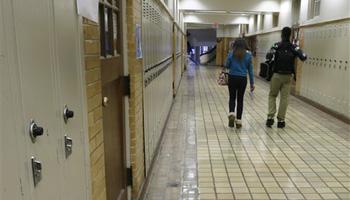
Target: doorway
[(110, 12)]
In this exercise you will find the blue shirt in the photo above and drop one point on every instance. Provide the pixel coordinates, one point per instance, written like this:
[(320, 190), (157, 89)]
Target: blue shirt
[(241, 67)]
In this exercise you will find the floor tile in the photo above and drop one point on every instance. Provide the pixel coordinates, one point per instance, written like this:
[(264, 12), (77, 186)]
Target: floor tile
[(201, 158)]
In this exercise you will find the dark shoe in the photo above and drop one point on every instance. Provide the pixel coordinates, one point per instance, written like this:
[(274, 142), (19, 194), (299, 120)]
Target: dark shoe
[(281, 124), (238, 123), (231, 121), (270, 122)]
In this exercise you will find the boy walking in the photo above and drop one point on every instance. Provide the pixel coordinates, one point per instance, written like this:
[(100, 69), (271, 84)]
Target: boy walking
[(283, 55)]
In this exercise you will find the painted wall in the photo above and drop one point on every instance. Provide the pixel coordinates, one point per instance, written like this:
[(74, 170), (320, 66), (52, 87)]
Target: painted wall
[(251, 24), (268, 21), (228, 31), (260, 23), (285, 15), (202, 37)]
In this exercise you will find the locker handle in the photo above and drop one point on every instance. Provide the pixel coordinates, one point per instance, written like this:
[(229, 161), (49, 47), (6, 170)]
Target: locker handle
[(35, 130), (67, 114)]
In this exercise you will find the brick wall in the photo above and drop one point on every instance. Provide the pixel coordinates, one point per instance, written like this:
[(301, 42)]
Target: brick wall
[(134, 13), (94, 96)]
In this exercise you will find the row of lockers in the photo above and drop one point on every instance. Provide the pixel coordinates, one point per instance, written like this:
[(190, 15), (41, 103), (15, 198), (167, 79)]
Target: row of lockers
[(325, 76), (179, 38), (157, 103), (157, 34), (44, 150), (332, 31), (328, 41), (341, 65), (158, 42)]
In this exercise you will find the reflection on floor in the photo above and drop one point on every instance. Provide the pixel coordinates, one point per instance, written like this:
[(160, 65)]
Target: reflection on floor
[(201, 158)]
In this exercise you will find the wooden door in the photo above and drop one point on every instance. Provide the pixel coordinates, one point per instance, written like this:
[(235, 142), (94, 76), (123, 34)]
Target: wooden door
[(112, 91)]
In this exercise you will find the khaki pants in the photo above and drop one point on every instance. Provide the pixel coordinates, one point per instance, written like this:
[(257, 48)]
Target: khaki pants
[(280, 83)]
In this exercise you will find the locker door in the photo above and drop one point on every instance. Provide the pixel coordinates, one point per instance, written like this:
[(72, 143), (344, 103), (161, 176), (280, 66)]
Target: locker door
[(70, 92), (10, 187), (9, 167), (34, 42)]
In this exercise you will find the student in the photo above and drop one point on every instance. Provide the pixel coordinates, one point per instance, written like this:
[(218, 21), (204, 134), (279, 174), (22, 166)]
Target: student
[(283, 55), (239, 63)]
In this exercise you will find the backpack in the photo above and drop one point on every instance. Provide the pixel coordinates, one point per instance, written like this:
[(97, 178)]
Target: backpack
[(263, 70), (284, 58)]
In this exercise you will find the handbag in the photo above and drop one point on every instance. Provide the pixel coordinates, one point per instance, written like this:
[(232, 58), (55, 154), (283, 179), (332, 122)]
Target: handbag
[(223, 78)]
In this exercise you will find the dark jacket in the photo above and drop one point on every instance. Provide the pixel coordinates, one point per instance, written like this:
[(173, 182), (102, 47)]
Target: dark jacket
[(285, 66)]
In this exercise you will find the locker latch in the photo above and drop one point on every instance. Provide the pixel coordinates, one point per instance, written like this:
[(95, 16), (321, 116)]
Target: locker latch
[(36, 168), (68, 145)]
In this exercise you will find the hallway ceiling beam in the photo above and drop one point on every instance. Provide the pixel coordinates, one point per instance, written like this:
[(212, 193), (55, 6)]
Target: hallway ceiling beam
[(216, 19), (230, 6)]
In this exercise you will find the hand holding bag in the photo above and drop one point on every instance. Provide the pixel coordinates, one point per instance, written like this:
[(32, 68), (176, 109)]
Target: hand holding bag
[(223, 78)]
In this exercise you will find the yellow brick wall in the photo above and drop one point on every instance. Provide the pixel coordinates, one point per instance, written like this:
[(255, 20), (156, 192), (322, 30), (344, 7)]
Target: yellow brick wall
[(94, 96), (133, 14)]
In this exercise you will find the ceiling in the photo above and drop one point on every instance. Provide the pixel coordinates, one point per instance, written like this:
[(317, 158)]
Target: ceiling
[(225, 11)]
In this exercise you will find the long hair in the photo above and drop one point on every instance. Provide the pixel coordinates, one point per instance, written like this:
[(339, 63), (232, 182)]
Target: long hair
[(239, 48)]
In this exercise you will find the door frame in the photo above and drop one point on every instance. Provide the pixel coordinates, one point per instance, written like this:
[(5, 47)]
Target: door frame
[(82, 80), (127, 136)]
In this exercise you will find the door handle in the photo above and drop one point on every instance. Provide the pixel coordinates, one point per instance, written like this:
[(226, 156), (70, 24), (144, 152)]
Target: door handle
[(105, 101)]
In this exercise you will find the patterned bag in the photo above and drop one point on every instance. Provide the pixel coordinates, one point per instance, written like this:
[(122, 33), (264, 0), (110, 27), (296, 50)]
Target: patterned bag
[(223, 78)]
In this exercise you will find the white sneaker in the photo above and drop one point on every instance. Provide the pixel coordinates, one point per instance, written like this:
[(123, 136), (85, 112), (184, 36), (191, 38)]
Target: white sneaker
[(238, 123), (231, 119)]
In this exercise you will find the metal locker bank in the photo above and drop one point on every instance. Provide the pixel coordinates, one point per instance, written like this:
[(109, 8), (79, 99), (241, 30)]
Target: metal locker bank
[(43, 154)]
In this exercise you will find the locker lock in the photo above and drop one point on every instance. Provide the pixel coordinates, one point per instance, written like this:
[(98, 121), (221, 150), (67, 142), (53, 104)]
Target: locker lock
[(35, 130), (36, 169), (67, 114)]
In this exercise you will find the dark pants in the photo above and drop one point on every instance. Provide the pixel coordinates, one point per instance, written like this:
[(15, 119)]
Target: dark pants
[(236, 87)]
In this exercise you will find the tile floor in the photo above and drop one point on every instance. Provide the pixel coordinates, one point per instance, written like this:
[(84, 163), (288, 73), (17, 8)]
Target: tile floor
[(201, 158)]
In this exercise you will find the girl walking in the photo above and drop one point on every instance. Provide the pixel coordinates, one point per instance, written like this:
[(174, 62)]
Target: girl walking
[(239, 63)]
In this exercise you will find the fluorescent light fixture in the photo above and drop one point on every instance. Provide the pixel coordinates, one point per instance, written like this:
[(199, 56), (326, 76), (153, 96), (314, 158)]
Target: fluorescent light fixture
[(210, 11)]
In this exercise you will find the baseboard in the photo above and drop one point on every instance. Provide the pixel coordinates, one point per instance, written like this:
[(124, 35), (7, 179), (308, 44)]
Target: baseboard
[(329, 111)]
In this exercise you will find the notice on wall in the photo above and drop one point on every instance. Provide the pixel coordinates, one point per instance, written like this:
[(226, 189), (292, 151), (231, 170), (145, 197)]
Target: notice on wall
[(138, 41), (88, 9)]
